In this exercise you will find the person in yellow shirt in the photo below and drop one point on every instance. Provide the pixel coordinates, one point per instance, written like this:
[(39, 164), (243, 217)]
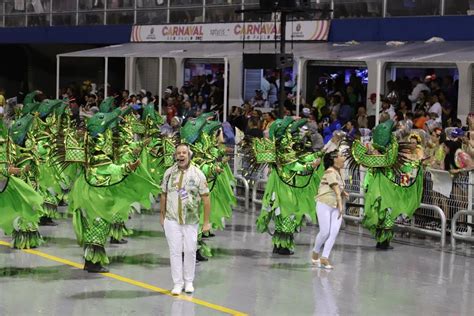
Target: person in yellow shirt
[(2, 98)]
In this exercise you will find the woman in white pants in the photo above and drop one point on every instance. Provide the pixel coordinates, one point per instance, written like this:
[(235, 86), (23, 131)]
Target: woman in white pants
[(329, 208)]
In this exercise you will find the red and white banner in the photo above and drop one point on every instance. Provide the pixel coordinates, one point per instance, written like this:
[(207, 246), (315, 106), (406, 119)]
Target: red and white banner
[(230, 32)]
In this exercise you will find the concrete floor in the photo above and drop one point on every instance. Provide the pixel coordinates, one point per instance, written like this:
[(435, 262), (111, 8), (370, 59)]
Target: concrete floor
[(416, 278)]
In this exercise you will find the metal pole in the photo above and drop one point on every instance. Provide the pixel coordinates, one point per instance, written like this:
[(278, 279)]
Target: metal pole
[(77, 12), (378, 91), (281, 103), (131, 73), (134, 11), (58, 64), (298, 86), (50, 13), (384, 9), (442, 4), (105, 12), (106, 76), (160, 84), (226, 86)]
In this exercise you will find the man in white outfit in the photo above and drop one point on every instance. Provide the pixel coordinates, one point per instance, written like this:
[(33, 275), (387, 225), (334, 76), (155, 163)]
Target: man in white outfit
[(184, 187)]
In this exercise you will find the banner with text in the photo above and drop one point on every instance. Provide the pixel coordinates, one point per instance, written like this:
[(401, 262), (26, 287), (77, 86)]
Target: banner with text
[(230, 32)]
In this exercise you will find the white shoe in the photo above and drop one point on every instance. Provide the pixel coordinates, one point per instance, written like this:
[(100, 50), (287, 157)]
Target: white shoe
[(189, 288), (177, 289), (325, 264)]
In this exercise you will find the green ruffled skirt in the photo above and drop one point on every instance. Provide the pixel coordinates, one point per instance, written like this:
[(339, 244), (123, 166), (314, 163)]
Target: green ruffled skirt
[(386, 200), (107, 201), (18, 200), (288, 204), (222, 198)]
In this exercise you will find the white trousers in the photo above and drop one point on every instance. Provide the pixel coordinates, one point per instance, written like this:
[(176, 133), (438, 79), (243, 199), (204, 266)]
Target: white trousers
[(182, 238), (328, 228)]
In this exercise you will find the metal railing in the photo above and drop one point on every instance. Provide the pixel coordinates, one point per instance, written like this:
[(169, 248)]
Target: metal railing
[(246, 196), (409, 227), (454, 228), (79, 12), (258, 185), (433, 218)]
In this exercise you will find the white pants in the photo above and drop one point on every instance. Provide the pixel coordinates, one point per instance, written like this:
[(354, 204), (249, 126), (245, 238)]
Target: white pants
[(329, 226), (182, 238)]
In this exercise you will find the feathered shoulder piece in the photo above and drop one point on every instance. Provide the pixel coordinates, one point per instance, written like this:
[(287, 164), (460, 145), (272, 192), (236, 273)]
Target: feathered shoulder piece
[(393, 155)]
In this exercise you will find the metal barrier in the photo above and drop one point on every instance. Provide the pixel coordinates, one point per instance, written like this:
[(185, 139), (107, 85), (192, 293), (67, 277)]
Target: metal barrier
[(454, 234), (255, 199), (412, 228), (433, 218), (350, 203), (246, 191)]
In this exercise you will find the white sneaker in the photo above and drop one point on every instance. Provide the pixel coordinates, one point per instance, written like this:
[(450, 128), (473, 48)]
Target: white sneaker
[(177, 289), (189, 288)]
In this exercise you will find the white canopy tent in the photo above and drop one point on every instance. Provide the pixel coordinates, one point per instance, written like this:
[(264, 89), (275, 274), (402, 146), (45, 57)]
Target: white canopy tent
[(419, 53)]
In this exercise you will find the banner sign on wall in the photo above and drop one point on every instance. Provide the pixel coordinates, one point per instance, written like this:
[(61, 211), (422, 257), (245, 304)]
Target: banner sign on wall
[(230, 32)]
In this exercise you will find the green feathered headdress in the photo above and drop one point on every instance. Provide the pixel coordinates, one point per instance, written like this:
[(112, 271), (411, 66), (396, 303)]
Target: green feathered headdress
[(30, 108), (107, 105), (278, 128), (100, 122), (382, 134), (296, 125), (48, 107), (192, 129), (30, 97), (20, 128), (211, 127)]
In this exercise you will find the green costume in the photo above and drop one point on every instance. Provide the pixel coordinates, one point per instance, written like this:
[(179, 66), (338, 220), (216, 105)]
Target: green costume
[(106, 188), (20, 204), (393, 184), (292, 184)]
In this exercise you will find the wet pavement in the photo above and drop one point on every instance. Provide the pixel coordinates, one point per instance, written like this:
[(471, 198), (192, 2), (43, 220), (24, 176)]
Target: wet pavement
[(416, 278)]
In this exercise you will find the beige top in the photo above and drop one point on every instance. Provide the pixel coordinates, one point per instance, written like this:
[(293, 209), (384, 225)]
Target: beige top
[(326, 194), (184, 189)]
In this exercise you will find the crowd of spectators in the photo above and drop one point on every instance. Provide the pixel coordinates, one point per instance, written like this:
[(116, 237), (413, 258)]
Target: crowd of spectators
[(425, 107)]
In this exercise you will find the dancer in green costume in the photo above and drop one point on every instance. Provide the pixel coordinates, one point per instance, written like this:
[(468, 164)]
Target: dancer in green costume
[(49, 116), (20, 204), (393, 184), (210, 157), (105, 191), (292, 185)]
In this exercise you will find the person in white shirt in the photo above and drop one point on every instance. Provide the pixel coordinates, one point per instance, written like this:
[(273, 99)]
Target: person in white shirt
[(436, 108), (184, 187), (418, 87), (388, 108), (371, 110)]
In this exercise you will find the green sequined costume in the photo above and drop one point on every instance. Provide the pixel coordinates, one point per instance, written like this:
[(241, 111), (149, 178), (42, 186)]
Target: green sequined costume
[(289, 197), (393, 183), (20, 203), (105, 191)]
